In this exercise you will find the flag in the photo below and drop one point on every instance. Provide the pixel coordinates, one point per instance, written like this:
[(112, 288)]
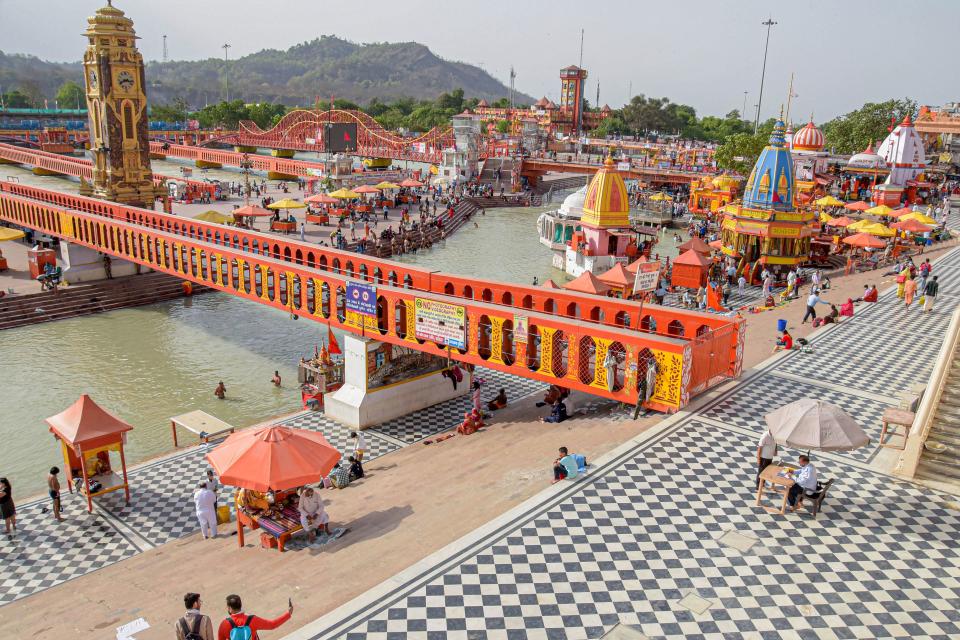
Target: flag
[(332, 341)]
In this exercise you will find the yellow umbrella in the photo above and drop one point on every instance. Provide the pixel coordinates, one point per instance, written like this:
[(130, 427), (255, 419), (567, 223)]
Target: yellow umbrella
[(859, 225), (828, 201), (877, 229), (213, 216), (660, 197), (286, 203), (825, 217), (344, 194), (919, 217), (879, 210), (6, 233), (387, 185)]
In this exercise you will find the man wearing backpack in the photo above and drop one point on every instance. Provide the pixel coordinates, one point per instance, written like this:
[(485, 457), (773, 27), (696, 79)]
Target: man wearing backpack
[(194, 625), (240, 626)]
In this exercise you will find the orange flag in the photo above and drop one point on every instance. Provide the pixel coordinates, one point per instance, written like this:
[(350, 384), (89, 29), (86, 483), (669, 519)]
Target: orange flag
[(332, 341)]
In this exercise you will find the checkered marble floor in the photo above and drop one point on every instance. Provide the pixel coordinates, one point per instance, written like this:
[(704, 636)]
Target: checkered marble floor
[(161, 509), (627, 543)]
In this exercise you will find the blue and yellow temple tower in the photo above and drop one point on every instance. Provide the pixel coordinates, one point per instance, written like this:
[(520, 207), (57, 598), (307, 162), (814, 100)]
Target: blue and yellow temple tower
[(766, 229)]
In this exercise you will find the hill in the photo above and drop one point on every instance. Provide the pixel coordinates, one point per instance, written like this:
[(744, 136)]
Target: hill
[(323, 67)]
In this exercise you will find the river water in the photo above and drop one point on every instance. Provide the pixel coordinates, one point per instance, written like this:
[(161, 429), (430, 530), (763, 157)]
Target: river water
[(149, 363)]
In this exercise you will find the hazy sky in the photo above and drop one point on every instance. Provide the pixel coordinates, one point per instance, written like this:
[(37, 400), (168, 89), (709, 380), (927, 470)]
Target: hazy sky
[(705, 53)]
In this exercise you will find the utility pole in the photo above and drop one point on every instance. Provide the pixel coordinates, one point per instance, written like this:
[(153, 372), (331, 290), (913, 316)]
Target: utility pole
[(597, 103), (768, 23), (743, 114), (226, 70), (513, 76), (581, 49), (790, 96), (165, 56)]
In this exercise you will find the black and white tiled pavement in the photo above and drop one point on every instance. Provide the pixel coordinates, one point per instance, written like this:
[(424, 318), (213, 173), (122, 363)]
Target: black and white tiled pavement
[(44, 553), (672, 516)]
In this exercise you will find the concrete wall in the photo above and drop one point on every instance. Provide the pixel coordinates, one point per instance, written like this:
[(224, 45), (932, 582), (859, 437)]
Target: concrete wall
[(354, 406), (81, 264)]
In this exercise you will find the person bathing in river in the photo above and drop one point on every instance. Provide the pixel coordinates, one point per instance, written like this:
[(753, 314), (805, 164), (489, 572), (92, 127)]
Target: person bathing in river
[(276, 379), (220, 391)]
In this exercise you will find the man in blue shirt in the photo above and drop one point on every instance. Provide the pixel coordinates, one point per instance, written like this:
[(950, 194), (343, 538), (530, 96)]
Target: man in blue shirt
[(804, 480)]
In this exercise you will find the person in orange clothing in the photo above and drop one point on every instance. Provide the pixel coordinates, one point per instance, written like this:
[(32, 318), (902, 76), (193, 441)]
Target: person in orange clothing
[(238, 620)]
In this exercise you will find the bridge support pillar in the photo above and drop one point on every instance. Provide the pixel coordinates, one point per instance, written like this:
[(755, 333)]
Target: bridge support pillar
[(244, 149), (5, 161), (360, 403), (38, 171), (282, 153), (276, 175), (86, 189), (158, 156), (82, 264), (204, 164)]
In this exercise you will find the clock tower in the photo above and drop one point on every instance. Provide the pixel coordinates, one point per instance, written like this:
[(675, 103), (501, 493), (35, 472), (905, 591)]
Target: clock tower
[(117, 110)]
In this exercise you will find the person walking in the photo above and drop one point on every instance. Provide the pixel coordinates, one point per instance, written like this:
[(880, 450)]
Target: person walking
[(194, 625), (741, 285), (812, 302), (929, 293), (205, 502), (249, 625), (53, 488), (8, 510), (909, 289)]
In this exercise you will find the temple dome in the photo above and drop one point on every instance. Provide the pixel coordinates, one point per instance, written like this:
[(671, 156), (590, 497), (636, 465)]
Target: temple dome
[(867, 159), (572, 206), (770, 185), (809, 138), (606, 203)]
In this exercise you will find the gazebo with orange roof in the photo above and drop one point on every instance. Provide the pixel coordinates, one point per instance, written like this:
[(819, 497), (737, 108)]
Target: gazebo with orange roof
[(690, 270), (698, 245), (619, 280), (87, 434), (588, 283)]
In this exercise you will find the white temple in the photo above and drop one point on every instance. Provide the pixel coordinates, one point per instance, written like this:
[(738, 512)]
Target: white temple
[(903, 152)]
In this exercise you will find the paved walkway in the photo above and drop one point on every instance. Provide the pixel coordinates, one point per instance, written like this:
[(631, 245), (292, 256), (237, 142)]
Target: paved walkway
[(44, 554), (664, 535)]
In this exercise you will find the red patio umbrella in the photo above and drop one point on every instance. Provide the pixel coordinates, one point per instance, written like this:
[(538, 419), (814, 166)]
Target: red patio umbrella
[(896, 213), (410, 182), (842, 221), (859, 205), (366, 188), (913, 226), (864, 240), (321, 198), (273, 458), (251, 211)]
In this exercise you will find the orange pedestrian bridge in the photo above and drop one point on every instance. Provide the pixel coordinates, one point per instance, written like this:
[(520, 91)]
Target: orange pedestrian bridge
[(549, 335), (534, 168)]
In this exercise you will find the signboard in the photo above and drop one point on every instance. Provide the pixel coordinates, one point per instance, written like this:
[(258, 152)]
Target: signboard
[(521, 325), (340, 136), (310, 140), (362, 298), (315, 172), (623, 166), (442, 323), (647, 276)]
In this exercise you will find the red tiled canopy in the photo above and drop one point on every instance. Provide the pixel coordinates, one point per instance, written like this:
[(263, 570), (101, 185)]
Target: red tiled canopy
[(696, 244), (587, 283), (85, 421), (618, 276), (692, 257)]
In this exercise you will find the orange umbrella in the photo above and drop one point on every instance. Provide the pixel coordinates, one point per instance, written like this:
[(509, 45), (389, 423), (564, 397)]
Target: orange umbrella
[(251, 211), (913, 226), (842, 221), (859, 205), (321, 198), (410, 182), (864, 240), (896, 213), (366, 188), (273, 458)]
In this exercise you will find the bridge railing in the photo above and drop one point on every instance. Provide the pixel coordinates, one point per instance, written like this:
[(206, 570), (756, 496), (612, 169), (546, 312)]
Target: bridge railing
[(557, 350)]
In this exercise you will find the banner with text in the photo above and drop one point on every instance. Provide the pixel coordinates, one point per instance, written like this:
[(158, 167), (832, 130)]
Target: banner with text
[(362, 298), (442, 323)]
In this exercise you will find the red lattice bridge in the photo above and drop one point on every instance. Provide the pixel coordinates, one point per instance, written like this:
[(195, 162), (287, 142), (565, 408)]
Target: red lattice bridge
[(302, 130), (548, 335)]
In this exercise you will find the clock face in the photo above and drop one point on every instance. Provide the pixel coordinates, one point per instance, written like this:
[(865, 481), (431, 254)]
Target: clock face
[(93, 79), (125, 80)]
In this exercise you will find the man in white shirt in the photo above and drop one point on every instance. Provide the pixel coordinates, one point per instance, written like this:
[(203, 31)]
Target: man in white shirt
[(312, 513), (359, 445), (812, 302), (205, 501), (804, 480), (766, 450)]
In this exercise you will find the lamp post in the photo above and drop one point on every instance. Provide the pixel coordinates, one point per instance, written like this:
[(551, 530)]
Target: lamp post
[(768, 23), (743, 114), (226, 70)]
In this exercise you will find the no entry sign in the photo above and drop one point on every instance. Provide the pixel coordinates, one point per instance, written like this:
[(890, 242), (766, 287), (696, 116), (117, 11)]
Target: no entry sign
[(362, 299)]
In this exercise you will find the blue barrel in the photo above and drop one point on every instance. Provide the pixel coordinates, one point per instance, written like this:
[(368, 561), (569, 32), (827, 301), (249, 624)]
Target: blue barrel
[(781, 325)]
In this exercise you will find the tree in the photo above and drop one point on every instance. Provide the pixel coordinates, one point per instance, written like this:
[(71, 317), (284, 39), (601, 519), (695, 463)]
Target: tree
[(610, 125), (70, 95), (852, 132), (16, 99), (739, 152), (453, 101), (266, 114), (176, 111), (503, 126)]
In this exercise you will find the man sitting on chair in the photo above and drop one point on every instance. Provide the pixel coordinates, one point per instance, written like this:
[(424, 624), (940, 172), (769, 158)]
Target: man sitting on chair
[(804, 480)]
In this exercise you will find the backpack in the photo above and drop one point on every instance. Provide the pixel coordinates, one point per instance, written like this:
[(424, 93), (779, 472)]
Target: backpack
[(242, 632), (194, 632)]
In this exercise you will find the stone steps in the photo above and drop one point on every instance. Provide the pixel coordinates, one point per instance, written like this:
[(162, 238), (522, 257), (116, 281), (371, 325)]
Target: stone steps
[(940, 458), (87, 299)]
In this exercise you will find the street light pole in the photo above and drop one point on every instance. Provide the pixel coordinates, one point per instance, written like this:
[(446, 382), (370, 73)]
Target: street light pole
[(743, 114), (226, 71), (768, 23)]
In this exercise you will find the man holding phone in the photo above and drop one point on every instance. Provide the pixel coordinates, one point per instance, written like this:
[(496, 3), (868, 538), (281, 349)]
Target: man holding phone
[(241, 626)]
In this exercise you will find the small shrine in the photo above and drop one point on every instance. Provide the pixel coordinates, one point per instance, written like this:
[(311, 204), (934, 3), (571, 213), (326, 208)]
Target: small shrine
[(766, 229), (690, 270), (588, 283), (902, 151), (619, 280), (88, 434), (708, 195)]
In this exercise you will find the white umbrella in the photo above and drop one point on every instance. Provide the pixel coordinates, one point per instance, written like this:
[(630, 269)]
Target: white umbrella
[(815, 424)]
